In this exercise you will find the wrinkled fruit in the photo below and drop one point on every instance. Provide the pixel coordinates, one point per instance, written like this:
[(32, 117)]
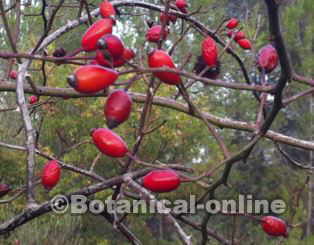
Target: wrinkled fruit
[(95, 32), (33, 99), (92, 78), (106, 9), (210, 52), (158, 59), (244, 43), (156, 34), (111, 45), (267, 59), (274, 226), (127, 55), (4, 189), (13, 74), (50, 175), (166, 18), (232, 23), (118, 108), (161, 181), (109, 143)]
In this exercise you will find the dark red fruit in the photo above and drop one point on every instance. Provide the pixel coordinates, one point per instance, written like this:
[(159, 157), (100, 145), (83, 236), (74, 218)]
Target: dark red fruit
[(106, 9), (211, 73), (118, 108), (13, 74), (237, 35), (210, 52), (50, 175), (244, 43), (109, 143), (127, 55), (95, 32), (111, 45), (267, 59), (182, 5), (33, 99), (156, 34), (4, 189), (166, 18), (158, 59), (232, 23), (161, 180), (274, 226), (92, 78)]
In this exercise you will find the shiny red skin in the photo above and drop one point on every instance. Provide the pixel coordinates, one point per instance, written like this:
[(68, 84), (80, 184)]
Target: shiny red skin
[(232, 23), (118, 108), (182, 5), (113, 45), (237, 36), (33, 99), (161, 181), (274, 226), (4, 189), (127, 55), (156, 34), (51, 174), (109, 143), (244, 43), (210, 52), (267, 59), (106, 9), (158, 59), (95, 32), (13, 74), (167, 18), (93, 78)]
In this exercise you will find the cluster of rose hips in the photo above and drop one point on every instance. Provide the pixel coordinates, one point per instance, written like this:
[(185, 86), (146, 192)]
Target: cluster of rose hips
[(100, 74)]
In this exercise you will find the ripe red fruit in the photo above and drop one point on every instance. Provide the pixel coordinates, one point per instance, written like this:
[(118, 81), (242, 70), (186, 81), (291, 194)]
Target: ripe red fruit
[(232, 23), (92, 78), (210, 51), (112, 46), (33, 99), (274, 226), (50, 175), (156, 34), (106, 9), (161, 180), (245, 43), (95, 32), (182, 5), (158, 59), (267, 59), (13, 74), (166, 18), (237, 36), (109, 143), (127, 55), (118, 108), (4, 189)]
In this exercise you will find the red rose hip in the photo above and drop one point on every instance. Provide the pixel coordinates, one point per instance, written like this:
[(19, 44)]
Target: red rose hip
[(232, 23), (244, 43), (182, 5), (95, 32), (158, 59), (109, 143), (118, 108), (210, 52), (274, 226), (112, 46), (161, 181), (156, 34), (92, 78), (267, 59), (127, 55), (50, 175), (33, 99), (106, 9), (13, 74)]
